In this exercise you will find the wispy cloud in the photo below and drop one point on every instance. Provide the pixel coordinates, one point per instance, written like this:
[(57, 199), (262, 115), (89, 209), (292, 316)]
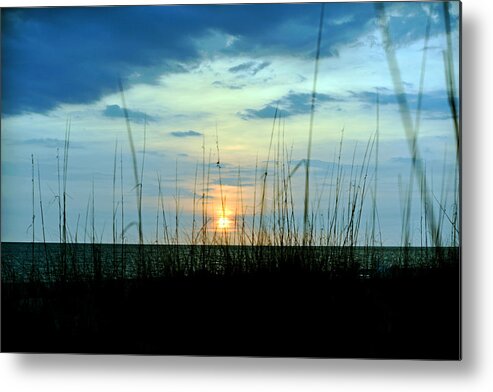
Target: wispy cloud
[(231, 86), (289, 105), (250, 67), (185, 133), (115, 111), (46, 142), (343, 19), (406, 161), (154, 153), (434, 104), (268, 111)]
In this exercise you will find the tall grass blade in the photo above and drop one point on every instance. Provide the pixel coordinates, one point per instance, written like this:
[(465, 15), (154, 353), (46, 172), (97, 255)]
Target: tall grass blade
[(406, 118), (134, 161), (310, 131)]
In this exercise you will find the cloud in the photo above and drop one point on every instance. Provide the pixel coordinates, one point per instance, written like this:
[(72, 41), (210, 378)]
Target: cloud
[(46, 142), (153, 153), (267, 111), (434, 104), (385, 96), (231, 86), (407, 20), (75, 55), (322, 166), (289, 105), (115, 111), (407, 161), (232, 181), (250, 67), (185, 133), (341, 20), (242, 67)]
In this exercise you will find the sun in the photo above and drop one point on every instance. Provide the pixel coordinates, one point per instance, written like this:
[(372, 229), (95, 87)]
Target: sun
[(223, 223)]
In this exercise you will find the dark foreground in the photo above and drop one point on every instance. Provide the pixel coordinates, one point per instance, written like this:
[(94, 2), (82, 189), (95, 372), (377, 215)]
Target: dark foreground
[(409, 312)]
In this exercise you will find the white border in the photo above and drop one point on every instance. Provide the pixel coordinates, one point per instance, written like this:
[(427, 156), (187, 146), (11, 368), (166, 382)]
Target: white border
[(126, 373)]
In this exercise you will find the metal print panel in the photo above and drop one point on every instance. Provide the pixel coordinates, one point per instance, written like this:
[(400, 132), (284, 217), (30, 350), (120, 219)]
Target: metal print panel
[(241, 180)]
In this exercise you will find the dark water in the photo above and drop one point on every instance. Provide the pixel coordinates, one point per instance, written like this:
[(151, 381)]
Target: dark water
[(23, 262)]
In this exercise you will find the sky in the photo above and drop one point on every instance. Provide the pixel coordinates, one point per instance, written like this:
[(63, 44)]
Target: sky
[(206, 89)]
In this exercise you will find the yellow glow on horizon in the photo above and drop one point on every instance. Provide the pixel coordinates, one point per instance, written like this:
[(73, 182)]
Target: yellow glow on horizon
[(223, 223), (224, 219)]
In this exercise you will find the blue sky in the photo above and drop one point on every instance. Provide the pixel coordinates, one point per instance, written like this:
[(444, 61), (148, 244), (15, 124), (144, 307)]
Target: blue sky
[(192, 74)]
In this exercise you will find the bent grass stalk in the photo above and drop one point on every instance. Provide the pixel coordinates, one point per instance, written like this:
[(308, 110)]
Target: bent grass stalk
[(134, 162), (449, 76)]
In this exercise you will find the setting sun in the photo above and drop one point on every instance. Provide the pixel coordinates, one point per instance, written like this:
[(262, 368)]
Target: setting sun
[(223, 223)]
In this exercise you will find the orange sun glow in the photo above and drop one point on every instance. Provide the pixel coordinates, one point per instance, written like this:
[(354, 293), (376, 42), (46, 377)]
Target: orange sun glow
[(223, 223)]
